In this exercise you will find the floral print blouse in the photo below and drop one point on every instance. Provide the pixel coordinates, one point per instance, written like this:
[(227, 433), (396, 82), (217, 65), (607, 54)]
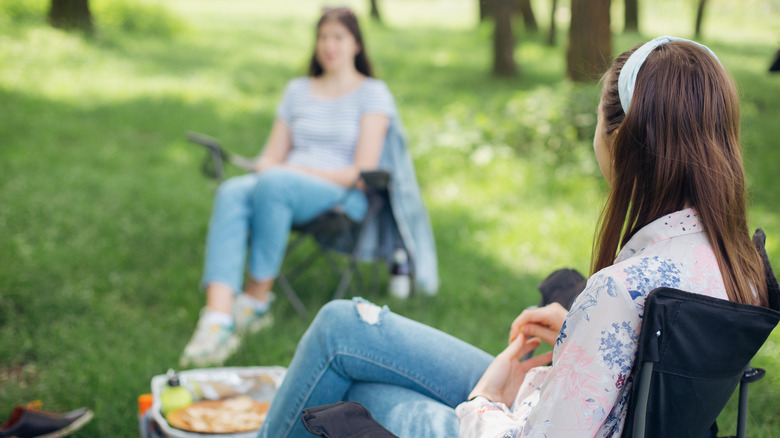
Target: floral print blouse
[(585, 392)]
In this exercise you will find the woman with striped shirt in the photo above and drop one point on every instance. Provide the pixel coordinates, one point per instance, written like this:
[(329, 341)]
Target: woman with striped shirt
[(329, 127)]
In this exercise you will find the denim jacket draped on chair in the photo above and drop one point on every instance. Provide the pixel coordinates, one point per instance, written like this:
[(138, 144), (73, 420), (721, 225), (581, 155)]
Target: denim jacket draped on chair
[(405, 223)]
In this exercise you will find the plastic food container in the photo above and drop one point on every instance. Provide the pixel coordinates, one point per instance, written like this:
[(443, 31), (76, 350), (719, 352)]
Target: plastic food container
[(260, 383)]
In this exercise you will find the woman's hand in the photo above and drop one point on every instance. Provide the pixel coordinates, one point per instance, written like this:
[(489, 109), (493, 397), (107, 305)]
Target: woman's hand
[(263, 164), (506, 373), (543, 322)]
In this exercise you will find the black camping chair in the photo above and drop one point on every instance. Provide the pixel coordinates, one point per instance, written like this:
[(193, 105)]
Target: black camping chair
[(333, 230), (775, 67), (693, 352)]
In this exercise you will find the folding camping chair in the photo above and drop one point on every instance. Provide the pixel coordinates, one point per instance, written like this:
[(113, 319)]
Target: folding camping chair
[(693, 352), (333, 230)]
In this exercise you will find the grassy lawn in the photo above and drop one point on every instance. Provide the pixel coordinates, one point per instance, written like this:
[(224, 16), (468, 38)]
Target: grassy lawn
[(103, 211)]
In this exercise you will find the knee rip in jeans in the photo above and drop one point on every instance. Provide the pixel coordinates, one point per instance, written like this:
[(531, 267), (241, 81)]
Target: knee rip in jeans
[(370, 313)]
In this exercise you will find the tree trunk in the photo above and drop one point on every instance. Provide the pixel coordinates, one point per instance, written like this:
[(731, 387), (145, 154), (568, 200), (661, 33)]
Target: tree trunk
[(632, 16), (552, 36), (503, 39), (590, 40), (375, 11), (699, 17), (528, 16), (484, 9), (71, 14)]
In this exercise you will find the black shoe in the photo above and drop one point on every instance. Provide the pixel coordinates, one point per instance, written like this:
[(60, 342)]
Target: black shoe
[(32, 423)]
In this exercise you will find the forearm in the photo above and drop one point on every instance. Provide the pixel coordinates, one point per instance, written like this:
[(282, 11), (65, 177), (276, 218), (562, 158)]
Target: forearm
[(481, 418), (345, 176), (266, 162)]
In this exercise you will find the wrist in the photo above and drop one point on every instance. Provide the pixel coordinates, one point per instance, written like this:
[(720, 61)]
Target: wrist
[(473, 397)]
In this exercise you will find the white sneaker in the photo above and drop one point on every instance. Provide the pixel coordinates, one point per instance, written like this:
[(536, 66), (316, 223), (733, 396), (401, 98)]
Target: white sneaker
[(211, 345), (247, 318)]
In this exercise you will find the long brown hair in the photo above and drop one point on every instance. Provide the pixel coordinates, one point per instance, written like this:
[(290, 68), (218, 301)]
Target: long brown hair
[(347, 18), (679, 146)]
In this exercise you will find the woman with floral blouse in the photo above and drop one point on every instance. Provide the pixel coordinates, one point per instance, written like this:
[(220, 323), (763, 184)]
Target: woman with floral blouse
[(667, 141)]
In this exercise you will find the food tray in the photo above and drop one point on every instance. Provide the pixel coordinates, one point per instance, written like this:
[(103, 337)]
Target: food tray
[(259, 383)]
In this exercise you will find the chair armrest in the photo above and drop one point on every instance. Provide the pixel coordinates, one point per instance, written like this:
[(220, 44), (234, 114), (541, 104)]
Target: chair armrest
[(376, 179), (212, 144), (219, 155)]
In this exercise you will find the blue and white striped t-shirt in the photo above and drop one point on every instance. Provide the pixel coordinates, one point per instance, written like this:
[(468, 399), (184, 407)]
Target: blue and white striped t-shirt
[(325, 130)]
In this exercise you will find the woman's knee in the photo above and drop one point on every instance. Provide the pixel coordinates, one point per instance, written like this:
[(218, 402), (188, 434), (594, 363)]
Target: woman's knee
[(236, 188), (338, 314), (333, 314), (273, 184)]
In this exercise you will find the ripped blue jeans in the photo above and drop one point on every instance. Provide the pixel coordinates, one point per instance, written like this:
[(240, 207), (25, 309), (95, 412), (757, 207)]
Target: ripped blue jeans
[(410, 376)]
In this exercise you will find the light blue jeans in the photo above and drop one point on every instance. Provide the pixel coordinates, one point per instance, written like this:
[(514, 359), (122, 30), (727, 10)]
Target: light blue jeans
[(409, 376), (261, 209)]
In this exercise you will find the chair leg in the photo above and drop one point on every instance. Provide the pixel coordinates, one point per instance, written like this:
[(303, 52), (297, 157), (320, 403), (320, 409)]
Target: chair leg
[(361, 284), (346, 278), (334, 267), (292, 296), (302, 265), (375, 279), (640, 411), (343, 284), (742, 410), (373, 210)]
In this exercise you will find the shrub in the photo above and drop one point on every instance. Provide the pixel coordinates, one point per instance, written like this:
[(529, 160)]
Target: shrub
[(136, 17), (23, 11)]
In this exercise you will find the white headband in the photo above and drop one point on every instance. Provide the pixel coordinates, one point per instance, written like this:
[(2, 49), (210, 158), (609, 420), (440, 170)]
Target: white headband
[(627, 77)]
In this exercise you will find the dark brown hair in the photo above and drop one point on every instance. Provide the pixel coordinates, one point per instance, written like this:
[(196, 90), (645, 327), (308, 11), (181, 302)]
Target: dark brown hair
[(679, 146), (347, 18)]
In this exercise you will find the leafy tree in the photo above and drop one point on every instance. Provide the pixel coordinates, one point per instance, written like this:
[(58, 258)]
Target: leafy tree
[(631, 16), (528, 15), (375, 11), (699, 17), (71, 14), (590, 40), (503, 38), (551, 36)]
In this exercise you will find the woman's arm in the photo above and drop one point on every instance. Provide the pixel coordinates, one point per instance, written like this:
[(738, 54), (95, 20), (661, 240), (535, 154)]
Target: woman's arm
[(487, 413), (506, 373), (277, 147), (583, 389), (373, 129), (544, 323)]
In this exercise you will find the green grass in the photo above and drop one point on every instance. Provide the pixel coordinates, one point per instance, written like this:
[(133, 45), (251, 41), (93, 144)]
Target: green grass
[(103, 212)]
